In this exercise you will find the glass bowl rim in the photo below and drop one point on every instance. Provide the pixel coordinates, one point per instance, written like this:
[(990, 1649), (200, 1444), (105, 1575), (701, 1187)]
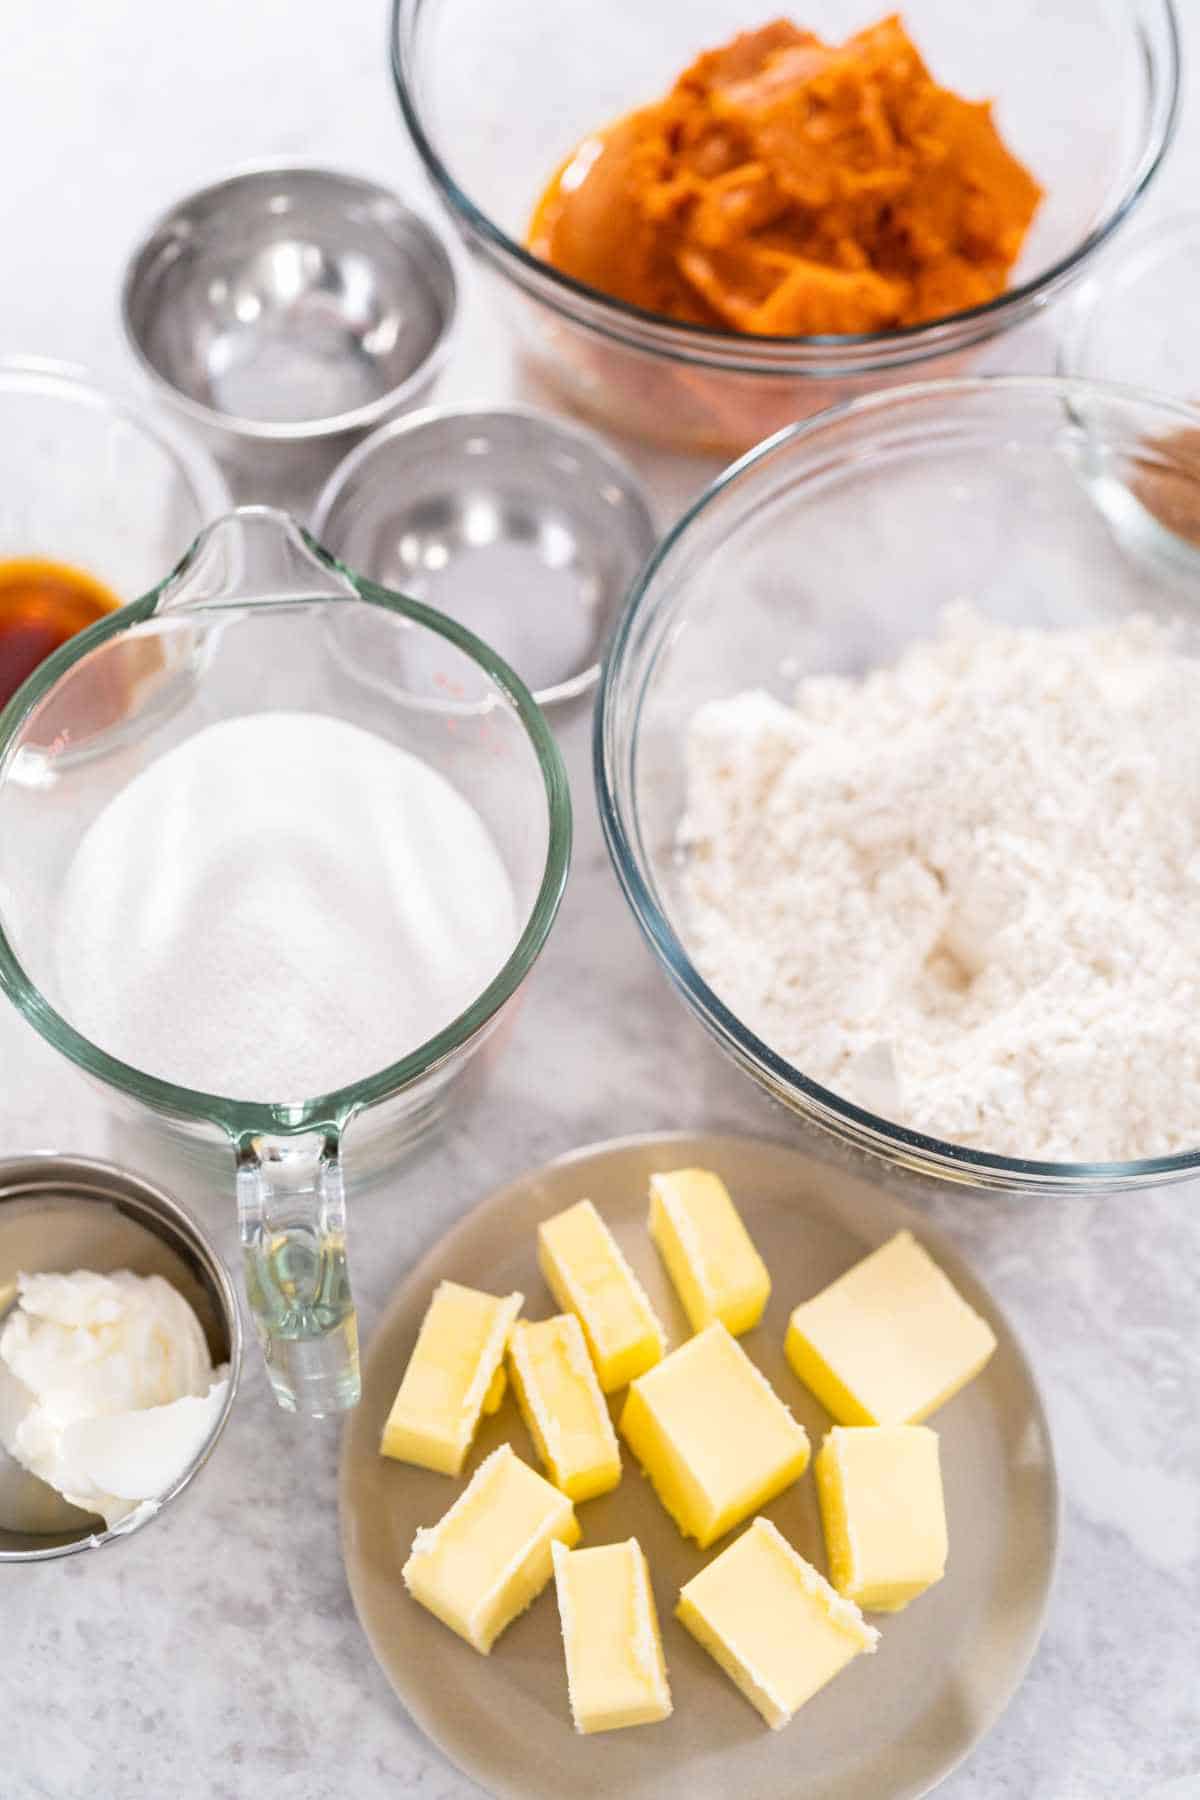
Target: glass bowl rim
[(242, 1119), (1141, 254), (747, 354), (50, 378), (896, 1142)]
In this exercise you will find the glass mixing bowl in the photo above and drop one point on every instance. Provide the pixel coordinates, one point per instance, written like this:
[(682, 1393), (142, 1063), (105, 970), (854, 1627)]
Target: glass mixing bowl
[(89, 480), (829, 549), (496, 97)]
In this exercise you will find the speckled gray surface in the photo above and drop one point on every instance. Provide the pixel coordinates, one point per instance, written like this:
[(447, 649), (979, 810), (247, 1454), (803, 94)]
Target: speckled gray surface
[(216, 1656)]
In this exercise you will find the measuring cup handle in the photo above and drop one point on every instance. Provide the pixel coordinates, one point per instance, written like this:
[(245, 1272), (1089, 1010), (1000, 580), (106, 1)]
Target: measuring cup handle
[(293, 1232)]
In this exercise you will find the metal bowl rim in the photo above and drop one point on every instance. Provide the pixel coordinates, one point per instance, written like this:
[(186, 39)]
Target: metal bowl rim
[(295, 431), (571, 434), (19, 1170)]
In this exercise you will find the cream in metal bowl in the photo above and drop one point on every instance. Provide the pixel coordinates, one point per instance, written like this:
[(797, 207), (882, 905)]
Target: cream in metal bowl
[(59, 1214)]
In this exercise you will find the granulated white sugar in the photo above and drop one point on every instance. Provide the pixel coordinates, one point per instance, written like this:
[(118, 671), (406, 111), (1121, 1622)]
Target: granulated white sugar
[(277, 906), (964, 890)]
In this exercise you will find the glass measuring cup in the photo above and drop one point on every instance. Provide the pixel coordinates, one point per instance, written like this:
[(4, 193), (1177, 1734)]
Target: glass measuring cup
[(258, 618)]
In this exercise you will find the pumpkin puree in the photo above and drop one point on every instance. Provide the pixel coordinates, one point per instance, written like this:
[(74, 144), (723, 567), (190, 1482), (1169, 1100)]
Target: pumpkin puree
[(789, 187)]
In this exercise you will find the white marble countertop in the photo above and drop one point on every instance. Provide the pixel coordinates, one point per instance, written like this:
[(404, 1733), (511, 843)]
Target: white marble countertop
[(216, 1656)]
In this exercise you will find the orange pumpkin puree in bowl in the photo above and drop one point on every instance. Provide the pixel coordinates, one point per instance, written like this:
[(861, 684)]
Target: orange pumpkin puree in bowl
[(787, 187)]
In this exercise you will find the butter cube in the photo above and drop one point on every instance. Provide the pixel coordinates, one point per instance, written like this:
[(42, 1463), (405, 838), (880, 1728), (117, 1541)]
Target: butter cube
[(616, 1675), (712, 1434), (883, 1512), (890, 1341), (588, 1276), (489, 1557), (717, 1272), (455, 1373), (772, 1622), (563, 1407)]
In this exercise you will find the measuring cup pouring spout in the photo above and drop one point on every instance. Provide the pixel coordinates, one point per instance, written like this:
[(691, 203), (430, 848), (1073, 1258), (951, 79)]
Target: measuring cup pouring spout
[(257, 619)]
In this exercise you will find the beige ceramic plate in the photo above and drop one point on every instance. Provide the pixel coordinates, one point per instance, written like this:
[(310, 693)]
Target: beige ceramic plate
[(891, 1726)]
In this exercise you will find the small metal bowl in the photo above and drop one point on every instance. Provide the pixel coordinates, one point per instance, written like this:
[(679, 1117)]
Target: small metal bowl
[(289, 307), (526, 529), (66, 1213)]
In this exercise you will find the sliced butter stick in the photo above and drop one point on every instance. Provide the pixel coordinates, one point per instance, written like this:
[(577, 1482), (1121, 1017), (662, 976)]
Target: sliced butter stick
[(562, 1405), (455, 1373), (883, 1513), (716, 1271), (772, 1622), (616, 1675), (712, 1434), (588, 1276), (489, 1557), (889, 1341)]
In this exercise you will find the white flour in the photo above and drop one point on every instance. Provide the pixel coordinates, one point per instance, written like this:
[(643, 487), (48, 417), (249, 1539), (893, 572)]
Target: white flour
[(965, 890), (281, 904)]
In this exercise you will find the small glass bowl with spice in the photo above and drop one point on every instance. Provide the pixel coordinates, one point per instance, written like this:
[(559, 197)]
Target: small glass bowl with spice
[(96, 500)]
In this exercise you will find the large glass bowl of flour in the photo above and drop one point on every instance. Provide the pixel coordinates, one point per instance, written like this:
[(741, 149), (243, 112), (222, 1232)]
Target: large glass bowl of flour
[(898, 758), (277, 849)]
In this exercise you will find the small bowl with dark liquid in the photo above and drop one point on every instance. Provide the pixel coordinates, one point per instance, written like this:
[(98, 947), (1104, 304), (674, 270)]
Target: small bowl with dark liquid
[(42, 604), (97, 498)]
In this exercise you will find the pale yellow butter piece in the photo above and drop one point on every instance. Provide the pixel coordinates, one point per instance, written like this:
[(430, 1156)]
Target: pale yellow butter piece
[(883, 1512), (772, 1622), (489, 1557), (455, 1373), (890, 1341), (712, 1434), (562, 1405), (716, 1271), (588, 1276), (616, 1674)]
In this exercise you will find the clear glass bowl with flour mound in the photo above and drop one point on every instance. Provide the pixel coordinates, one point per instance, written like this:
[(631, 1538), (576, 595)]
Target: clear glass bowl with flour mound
[(898, 756)]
